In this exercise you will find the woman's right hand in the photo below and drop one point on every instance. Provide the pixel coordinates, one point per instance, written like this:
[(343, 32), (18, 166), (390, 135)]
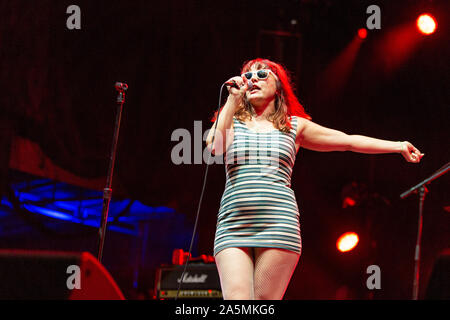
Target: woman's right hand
[(237, 94)]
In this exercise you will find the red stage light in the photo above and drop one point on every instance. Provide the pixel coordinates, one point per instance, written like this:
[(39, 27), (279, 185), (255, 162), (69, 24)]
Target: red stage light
[(362, 33), (426, 23), (346, 242), (348, 202)]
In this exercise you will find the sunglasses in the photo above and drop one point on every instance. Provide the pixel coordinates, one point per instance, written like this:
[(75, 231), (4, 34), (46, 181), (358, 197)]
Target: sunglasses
[(260, 74)]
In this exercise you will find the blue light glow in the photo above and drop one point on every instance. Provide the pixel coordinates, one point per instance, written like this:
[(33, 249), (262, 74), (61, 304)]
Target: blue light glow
[(73, 204)]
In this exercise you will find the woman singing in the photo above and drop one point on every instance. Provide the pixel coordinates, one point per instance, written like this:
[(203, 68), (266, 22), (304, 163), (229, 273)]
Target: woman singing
[(260, 129)]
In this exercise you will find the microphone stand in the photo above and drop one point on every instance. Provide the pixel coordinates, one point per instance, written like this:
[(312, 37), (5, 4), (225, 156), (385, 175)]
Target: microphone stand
[(422, 190), (107, 191)]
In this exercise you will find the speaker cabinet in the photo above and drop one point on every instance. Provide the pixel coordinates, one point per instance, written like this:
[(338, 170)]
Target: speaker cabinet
[(49, 275), (439, 283)]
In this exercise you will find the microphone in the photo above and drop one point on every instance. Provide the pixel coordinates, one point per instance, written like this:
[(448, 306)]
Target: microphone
[(121, 86), (233, 84)]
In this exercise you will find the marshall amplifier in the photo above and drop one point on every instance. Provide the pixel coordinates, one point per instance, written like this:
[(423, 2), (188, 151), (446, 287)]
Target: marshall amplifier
[(199, 281)]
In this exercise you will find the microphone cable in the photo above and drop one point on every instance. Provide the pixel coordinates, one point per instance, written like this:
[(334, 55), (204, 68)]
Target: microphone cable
[(201, 195)]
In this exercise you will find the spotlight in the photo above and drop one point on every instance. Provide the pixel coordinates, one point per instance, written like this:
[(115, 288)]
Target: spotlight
[(426, 23), (348, 202), (347, 241), (362, 33)]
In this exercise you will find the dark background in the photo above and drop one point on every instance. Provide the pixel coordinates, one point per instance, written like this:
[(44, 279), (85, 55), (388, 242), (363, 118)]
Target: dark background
[(174, 55)]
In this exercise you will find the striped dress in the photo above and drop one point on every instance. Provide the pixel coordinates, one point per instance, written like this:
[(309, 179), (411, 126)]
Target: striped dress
[(258, 207)]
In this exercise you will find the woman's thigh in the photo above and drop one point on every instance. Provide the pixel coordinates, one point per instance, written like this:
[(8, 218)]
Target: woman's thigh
[(273, 271), (235, 266)]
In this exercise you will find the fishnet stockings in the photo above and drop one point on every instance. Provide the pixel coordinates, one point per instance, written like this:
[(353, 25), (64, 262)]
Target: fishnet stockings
[(255, 273)]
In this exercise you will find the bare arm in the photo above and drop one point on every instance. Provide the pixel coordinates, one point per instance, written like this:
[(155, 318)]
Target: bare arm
[(318, 138), (224, 134)]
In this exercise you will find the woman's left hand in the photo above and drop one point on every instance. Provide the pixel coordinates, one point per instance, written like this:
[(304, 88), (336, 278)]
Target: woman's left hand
[(410, 153)]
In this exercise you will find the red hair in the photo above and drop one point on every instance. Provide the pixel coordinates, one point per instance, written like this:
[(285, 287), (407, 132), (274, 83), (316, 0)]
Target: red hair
[(287, 104)]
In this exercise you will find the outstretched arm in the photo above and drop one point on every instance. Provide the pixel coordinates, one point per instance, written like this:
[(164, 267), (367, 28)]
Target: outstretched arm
[(318, 138)]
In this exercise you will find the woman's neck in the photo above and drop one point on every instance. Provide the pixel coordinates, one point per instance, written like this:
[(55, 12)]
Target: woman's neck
[(262, 112)]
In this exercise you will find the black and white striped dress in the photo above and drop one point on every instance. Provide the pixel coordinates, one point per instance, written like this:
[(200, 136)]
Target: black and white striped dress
[(258, 207)]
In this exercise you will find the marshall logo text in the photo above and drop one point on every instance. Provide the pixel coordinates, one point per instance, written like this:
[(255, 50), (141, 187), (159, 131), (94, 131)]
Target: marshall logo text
[(187, 278)]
